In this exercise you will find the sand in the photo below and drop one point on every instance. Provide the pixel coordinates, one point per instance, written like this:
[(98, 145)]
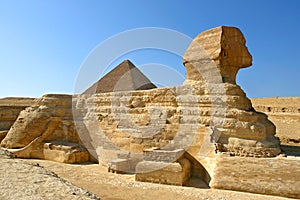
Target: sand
[(34, 179), (26, 180)]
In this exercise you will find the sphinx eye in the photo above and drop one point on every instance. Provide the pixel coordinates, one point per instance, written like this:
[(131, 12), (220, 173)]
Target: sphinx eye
[(224, 53)]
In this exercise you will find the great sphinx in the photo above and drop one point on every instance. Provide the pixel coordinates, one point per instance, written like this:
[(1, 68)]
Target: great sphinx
[(207, 115), (208, 105), (190, 124)]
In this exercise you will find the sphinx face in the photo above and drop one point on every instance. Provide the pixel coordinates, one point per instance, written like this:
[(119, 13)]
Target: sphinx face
[(234, 52), (225, 46)]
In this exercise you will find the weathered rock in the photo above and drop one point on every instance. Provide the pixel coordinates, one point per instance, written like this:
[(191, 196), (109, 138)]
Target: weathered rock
[(3, 135), (213, 59), (120, 166), (207, 115), (177, 173), (209, 106), (225, 46), (10, 108), (276, 176), (164, 166), (33, 121), (49, 120)]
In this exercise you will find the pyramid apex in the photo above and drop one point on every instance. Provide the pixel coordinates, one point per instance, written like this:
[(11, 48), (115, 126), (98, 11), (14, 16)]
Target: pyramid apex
[(128, 62)]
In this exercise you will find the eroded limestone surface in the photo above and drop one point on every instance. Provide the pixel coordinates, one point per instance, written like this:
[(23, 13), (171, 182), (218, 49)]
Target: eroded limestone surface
[(49, 120), (276, 176), (10, 109), (208, 114), (212, 61), (209, 111)]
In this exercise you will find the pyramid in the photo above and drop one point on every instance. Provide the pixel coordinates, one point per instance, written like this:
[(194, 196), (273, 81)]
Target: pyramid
[(124, 77)]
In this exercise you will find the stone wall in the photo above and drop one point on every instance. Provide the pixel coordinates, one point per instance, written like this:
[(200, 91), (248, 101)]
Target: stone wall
[(284, 112)]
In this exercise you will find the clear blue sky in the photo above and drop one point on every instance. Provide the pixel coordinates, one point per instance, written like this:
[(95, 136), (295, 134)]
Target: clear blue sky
[(44, 43)]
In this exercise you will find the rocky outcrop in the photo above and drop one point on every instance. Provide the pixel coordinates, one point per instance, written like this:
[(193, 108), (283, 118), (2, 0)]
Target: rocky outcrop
[(46, 129), (10, 108)]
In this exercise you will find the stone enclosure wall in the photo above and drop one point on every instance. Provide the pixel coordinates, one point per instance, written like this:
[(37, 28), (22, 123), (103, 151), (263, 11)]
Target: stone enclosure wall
[(284, 112)]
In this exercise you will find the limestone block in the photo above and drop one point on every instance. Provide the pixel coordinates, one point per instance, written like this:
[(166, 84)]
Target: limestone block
[(58, 151), (276, 176), (120, 166), (177, 173), (64, 152), (163, 155)]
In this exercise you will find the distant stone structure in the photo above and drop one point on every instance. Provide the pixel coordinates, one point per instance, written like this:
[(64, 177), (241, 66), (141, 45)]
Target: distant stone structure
[(124, 77), (284, 112)]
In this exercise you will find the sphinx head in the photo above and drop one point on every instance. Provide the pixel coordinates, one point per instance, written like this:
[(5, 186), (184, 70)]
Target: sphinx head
[(224, 46)]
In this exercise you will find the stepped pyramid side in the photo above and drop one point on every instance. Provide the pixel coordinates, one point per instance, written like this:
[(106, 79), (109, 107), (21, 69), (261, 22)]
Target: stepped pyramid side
[(124, 77)]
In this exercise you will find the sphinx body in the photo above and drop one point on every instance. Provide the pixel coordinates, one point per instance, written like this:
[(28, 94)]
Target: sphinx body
[(207, 114)]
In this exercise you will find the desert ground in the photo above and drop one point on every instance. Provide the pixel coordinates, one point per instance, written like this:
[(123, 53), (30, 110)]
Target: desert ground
[(27, 180), (42, 179)]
